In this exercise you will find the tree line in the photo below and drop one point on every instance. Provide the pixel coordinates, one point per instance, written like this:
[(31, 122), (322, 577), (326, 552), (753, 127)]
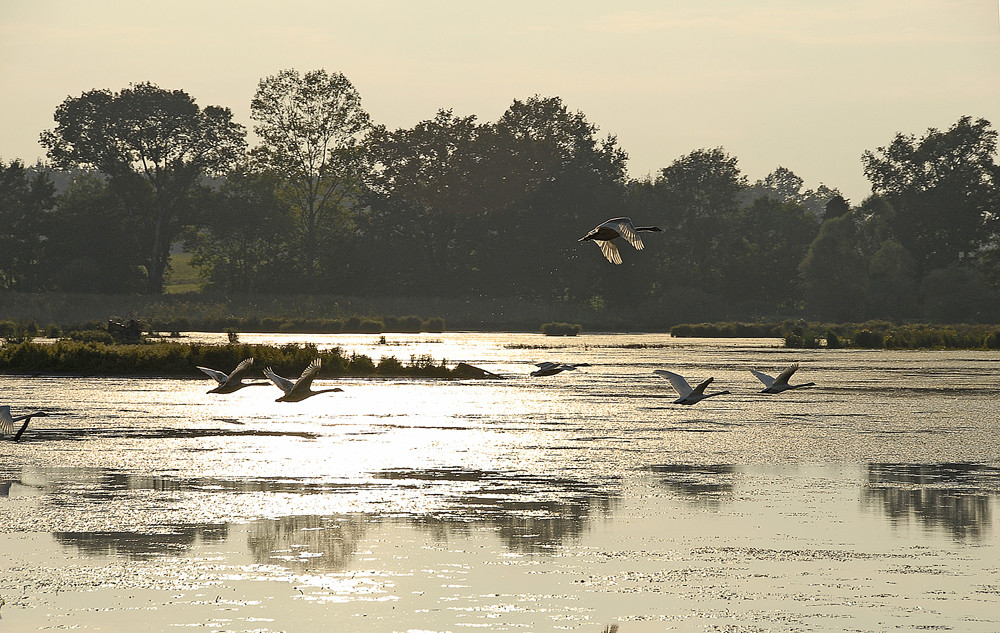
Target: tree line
[(329, 202)]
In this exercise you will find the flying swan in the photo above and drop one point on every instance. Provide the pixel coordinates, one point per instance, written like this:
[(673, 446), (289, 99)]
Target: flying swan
[(231, 382), (613, 229), (302, 387), (779, 384), (684, 390), (548, 368), (7, 422)]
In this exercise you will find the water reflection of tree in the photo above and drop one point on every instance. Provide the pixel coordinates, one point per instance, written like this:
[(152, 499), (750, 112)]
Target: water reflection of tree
[(706, 484), (308, 543), (955, 497), (529, 513), (167, 540)]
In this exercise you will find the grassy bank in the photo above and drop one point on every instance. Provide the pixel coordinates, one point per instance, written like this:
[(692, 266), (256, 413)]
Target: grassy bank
[(868, 335), (209, 312), (292, 313), (182, 359)]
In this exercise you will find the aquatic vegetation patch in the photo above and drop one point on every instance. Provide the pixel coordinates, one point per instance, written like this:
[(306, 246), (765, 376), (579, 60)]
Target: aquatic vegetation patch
[(869, 335), (561, 329), (170, 358)]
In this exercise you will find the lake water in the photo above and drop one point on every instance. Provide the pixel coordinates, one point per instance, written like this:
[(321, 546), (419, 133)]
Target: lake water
[(565, 503)]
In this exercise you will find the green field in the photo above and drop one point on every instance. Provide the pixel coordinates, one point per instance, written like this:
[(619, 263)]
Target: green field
[(182, 276)]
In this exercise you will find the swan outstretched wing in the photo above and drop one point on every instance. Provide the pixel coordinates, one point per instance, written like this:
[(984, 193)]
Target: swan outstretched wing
[(677, 381), (241, 369), (308, 375), (610, 251), (6, 421), (280, 382), (215, 374), (627, 230), (700, 389), (764, 378), (783, 377)]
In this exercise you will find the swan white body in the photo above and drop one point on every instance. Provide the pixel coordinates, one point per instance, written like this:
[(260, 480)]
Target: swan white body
[(549, 368), (7, 422), (302, 387), (688, 395), (604, 234), (233, 381), (779, 384)]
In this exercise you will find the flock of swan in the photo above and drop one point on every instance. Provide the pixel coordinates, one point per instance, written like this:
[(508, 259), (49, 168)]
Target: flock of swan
[(685, 392), (299, 389), (604, 235), (293, 390), (689, 395)]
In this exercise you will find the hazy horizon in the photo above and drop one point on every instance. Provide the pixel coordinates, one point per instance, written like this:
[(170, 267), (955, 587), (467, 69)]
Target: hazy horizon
[(779, 83)]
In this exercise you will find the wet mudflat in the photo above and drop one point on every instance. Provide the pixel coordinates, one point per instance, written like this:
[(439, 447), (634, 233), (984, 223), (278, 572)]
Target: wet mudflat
[(570, 502)]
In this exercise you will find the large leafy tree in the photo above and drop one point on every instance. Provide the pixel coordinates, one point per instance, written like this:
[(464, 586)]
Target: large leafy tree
[(89, 247), (945, 188), (25, 200), (155, 146), (834, 270), (427, 185), (493, 208), (785, 185), (563, 179), (310, 127), (766, 243), (242, 246), (695, 200)]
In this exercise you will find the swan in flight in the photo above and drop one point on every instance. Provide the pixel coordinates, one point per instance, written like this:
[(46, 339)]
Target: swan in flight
[(7, 422), (229, 383), (302, 387), (779, 384), (614, 228), (550, 369), (684, 390)]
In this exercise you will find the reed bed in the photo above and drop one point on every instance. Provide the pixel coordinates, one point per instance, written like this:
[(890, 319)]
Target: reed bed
[(174, 359)]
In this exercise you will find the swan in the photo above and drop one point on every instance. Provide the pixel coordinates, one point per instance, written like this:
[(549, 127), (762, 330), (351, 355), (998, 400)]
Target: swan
[(614, 228), (684, 390), (7, 422), (229, 383), (302, 387), (550, 369), (779, 384)]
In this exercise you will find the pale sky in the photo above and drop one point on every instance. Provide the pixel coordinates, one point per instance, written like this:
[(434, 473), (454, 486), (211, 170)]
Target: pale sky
[(804, 84)]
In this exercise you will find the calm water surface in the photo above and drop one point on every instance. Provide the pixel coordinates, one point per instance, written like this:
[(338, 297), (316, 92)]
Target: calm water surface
[(570, 502)]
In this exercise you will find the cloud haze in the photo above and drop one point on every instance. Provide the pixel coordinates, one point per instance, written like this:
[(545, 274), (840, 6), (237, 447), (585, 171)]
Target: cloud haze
[(808, 86)]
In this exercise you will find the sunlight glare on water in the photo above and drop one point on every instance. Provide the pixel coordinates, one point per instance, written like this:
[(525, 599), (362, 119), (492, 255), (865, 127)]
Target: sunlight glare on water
[(568, 502)]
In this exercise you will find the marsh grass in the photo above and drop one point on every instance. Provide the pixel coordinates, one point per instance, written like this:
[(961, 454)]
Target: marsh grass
[(868, 335), (175, 359), (555, 328)]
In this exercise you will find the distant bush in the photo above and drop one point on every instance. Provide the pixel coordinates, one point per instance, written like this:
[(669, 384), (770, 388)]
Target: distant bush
[(412, 324), (727, 330), (867, 339), (868, 335), (561, 329), (992, 340), (801, 341), (832, 340), (92, 336), (433, 325)]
